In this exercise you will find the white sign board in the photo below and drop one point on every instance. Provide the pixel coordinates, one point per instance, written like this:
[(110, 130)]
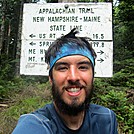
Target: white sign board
[(43, 23)]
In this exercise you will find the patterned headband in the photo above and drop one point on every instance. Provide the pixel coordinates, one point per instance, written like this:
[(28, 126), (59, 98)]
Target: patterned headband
[(71, 49)]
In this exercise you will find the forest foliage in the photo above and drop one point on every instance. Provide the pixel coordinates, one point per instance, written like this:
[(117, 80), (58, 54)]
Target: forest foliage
[(117, 92)]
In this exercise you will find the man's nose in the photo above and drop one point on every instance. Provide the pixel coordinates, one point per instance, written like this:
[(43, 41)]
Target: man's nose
[(73, 74)]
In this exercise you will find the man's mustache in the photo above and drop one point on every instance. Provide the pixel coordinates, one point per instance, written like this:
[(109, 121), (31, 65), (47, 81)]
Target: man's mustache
[(74, 83)]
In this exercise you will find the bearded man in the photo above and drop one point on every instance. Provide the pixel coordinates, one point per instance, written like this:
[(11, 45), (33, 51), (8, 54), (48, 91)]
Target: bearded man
[(71, 63)]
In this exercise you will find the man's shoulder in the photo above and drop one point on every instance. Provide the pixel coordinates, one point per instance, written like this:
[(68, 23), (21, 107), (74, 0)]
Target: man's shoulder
[(103, 118), (30, 117), (98, 109), (31, 122), (45, 112)]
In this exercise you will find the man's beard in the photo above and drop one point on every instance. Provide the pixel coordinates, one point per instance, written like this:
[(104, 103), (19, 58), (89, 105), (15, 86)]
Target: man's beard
[(71, 109)]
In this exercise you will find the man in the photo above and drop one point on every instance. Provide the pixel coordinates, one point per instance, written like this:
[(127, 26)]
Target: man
[(71, 60)]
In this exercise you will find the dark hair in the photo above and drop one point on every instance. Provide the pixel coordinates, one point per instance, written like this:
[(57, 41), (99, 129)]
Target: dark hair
[(70, 37)]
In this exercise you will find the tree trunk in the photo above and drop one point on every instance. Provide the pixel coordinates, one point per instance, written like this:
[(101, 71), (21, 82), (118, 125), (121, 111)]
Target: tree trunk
[(18, 46), (4, 35)]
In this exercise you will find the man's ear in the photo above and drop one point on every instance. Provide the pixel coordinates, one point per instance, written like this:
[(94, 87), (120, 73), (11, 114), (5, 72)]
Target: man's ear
[(50, 80)]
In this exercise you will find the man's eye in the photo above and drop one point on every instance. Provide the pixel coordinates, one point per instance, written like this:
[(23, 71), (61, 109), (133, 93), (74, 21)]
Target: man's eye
[(60, 68), (84, 67)]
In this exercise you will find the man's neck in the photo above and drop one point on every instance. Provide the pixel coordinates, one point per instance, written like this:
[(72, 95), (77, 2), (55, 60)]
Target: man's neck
[(72, 122)]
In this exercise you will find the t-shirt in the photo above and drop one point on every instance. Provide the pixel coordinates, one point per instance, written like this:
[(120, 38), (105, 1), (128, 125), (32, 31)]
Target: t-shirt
[(97, 120)]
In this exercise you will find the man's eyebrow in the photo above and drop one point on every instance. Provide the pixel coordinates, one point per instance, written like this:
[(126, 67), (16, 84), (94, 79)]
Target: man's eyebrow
[(84, 62), (65, 63), (60, 63)]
